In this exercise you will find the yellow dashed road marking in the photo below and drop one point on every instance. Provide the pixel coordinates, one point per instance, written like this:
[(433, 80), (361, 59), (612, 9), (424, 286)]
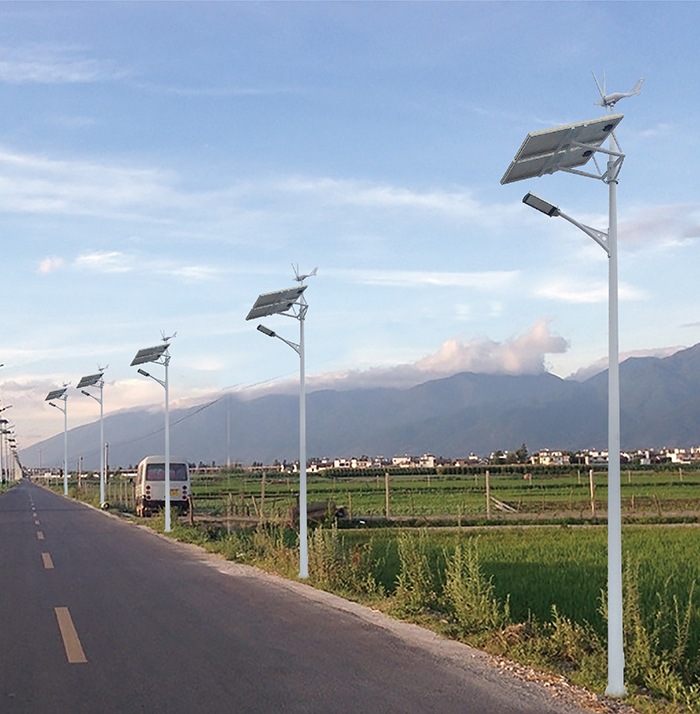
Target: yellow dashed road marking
[(71, 641)]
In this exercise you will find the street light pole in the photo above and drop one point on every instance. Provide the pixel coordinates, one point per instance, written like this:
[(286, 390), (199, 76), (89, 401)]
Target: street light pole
[(291, 303), (96, 380), (569, 148), (616, 655), (303, 517), (64, 409), (160, 355)]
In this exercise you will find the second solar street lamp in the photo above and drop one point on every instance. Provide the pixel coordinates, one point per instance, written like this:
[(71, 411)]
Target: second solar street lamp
[(569, 148), (62, 394), (96, 380), (291, 303), (159, 355)]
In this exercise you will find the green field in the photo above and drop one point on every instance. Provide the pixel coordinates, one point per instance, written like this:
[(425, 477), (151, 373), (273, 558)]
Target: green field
[(651, 494)]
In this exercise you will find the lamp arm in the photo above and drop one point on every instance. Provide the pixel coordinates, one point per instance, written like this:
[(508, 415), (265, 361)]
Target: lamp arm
[(600, 237)]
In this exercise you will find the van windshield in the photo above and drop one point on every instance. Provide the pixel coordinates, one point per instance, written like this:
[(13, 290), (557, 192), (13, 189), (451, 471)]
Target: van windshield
[(156, 472)]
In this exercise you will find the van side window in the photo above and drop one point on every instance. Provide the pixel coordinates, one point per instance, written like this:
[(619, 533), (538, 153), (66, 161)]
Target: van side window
[(156, 472)]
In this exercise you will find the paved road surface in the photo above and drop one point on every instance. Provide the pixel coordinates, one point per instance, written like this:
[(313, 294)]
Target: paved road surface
[(101, 616)]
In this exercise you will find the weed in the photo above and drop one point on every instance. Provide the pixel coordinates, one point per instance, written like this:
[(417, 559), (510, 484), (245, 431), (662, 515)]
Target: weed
[(468, 594)]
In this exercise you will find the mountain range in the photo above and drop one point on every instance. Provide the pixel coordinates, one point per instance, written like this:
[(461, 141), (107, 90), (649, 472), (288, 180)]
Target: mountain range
[(449, 417)]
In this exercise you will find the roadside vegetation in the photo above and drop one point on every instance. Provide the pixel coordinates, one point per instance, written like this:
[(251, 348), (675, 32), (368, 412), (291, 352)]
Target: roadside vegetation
[(508, 584)]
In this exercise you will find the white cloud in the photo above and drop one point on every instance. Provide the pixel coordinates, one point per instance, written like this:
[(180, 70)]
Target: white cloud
[(50, 264), (459, 203), (601, 365), (582, 293), (105, 262), (662, 226), (486, 280), (51, 65)]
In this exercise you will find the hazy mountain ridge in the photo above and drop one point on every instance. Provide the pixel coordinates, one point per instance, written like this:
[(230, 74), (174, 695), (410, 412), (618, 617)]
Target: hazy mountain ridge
[(453, 416)]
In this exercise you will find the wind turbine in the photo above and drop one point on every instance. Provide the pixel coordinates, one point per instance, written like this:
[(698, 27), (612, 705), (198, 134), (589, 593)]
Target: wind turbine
[(609, 100)]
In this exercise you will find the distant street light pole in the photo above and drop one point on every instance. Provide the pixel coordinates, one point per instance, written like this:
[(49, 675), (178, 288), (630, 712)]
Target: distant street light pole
[(160, 355), (96, 380), (569, 148), (62, 394), (291, 303), (3, 431)]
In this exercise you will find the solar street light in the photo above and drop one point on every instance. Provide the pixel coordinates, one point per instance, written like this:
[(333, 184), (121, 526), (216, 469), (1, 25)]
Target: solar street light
[(569, 148), (4, 431), (159, 355), (62, 394), (291, 303), (96, 380)]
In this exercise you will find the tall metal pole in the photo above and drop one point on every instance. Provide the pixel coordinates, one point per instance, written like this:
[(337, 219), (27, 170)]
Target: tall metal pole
[(102, 449), (65, 445), (166, 361), (303, 528), (616, 656)]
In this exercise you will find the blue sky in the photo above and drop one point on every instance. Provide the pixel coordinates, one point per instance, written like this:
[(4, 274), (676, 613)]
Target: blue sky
[(163, 163)]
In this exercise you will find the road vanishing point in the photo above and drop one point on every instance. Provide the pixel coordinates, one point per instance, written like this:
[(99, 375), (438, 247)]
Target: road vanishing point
[(101, 616)]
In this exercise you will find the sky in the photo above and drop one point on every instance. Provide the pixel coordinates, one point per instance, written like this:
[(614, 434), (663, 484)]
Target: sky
[(164, 163)]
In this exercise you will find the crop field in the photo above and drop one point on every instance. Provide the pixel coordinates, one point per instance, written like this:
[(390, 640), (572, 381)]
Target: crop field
[(458, 498)]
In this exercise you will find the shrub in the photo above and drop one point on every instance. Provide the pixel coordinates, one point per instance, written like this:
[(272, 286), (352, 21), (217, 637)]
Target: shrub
[(468, 594), (415, 589)]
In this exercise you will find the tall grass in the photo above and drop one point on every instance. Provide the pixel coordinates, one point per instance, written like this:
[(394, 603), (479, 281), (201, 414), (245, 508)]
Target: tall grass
[(523, 594)]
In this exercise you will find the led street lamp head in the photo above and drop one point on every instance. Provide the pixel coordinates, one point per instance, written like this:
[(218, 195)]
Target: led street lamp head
[(143, 372), (266, 331), (534, 201)]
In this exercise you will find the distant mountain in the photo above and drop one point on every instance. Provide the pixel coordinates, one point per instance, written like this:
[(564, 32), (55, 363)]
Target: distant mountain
[(480, 413)]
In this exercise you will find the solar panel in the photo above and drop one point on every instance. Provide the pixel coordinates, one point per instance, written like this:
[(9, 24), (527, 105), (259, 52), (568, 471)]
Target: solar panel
[(275, 302), (149, 354), (89, 381), (55, 394), (544, 152)]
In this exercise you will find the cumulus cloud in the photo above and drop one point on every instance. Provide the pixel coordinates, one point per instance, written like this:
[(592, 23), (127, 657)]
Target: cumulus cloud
[(524, 354)]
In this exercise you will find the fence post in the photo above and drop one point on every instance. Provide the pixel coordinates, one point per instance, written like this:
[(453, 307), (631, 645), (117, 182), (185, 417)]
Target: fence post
[(262, 496), (488, 495), (386, 495), (591, 483)]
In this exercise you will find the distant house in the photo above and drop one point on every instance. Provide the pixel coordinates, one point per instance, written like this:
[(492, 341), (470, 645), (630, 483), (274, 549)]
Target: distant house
[(545, 457), (427, 461)]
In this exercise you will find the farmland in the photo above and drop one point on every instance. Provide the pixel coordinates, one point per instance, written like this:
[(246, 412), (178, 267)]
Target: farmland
[(459, 498)]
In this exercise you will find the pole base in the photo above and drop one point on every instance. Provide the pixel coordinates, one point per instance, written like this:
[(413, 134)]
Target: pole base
[(616, 690)]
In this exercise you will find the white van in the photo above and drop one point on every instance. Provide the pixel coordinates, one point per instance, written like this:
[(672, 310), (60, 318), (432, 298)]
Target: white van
[(150, 485)]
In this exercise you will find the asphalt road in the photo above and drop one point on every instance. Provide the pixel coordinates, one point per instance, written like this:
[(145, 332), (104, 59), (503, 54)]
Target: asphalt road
[(101, 616)]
